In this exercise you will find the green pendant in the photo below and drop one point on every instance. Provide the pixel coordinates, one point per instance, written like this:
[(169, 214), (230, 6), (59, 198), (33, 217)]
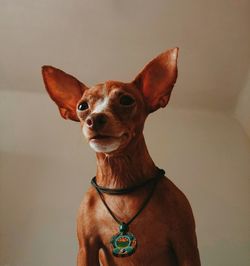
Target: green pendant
[(124, 243)]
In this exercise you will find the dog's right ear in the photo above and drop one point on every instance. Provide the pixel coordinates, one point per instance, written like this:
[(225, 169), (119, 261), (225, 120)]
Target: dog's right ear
[(64, 89)]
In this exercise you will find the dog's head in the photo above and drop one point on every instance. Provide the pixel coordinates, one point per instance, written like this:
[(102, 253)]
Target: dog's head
[(112, 114)]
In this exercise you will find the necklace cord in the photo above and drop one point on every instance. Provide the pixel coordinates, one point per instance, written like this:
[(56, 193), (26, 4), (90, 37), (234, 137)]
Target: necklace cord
[(155, 180), (112, 191)]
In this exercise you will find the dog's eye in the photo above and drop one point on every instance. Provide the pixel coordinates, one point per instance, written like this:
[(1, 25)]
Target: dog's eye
[(83, 106), (126, 100)]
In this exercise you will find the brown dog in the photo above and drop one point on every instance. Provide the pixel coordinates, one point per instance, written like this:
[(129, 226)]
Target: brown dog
[(112, 116)]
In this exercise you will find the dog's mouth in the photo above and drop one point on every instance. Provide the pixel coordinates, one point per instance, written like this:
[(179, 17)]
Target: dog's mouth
[(102, 137)]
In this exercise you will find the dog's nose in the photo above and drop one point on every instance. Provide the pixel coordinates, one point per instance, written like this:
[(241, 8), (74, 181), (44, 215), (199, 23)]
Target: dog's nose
[(96, 121)]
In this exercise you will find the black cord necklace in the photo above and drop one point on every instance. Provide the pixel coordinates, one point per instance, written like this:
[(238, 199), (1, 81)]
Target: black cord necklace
[(124, 243)]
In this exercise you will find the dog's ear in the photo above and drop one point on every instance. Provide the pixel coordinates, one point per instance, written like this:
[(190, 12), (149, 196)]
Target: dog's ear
[(157, 80), (64, 90)]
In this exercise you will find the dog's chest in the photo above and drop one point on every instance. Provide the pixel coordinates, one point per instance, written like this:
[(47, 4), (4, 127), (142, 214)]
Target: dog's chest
[(150, 228)]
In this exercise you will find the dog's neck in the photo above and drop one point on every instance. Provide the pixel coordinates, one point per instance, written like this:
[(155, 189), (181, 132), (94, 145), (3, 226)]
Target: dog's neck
[(125, 169)]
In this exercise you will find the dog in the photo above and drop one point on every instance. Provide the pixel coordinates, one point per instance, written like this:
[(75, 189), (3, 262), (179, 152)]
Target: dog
[(133, 214)]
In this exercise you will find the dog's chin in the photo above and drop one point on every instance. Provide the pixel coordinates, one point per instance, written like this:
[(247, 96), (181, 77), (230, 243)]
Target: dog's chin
[(107, 144)]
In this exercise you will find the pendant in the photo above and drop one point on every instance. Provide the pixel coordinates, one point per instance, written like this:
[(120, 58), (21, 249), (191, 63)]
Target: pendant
[(124, 243)]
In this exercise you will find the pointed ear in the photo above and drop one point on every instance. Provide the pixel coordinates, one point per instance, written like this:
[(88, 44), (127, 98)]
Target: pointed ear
[(64, 90), (157, 80)]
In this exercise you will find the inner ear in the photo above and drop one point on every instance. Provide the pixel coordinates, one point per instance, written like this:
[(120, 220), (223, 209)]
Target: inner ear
[(64, 89), (157, 80)]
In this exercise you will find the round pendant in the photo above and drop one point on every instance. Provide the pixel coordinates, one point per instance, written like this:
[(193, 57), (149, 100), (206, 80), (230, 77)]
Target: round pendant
[(124, 244)]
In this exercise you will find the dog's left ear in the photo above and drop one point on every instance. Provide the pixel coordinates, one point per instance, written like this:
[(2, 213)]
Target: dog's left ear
[(157, 80)]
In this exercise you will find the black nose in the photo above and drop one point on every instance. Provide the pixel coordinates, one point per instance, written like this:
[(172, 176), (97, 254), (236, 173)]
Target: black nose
[(96, 121)]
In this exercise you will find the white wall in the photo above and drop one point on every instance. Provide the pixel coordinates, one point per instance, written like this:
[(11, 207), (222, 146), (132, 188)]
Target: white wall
[(46, 167)]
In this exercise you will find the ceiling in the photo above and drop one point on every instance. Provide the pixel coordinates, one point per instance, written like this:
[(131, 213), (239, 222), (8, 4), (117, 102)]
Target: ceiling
[(99, 40)]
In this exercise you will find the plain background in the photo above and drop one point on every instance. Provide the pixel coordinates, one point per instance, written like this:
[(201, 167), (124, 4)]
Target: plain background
[(201, 138)]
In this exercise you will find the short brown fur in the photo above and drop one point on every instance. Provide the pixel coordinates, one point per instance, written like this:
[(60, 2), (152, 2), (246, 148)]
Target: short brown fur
[(165, 229)]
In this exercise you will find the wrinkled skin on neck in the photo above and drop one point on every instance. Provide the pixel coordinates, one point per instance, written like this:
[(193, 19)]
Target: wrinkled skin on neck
[(123, 168)]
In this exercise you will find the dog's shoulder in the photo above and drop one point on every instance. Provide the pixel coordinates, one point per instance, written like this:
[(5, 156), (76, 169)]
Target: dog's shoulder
[(176, 201), (86, 212), (88, 202), (169, 189)]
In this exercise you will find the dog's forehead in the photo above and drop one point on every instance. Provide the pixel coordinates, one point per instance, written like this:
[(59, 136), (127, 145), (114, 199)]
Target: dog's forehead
[(111, 85), (96, 90), (103, 90)]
